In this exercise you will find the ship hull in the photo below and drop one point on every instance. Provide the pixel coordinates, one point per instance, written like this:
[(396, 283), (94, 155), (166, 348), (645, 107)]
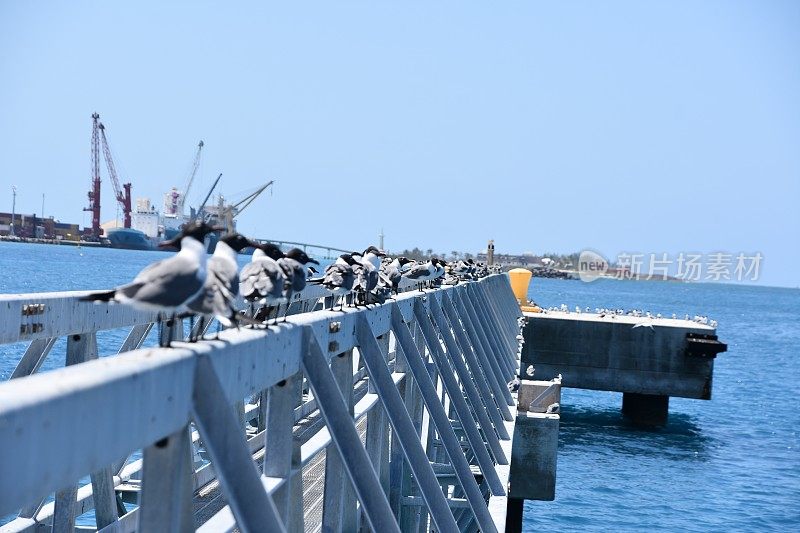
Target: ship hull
[(133, 239), (130, 239)]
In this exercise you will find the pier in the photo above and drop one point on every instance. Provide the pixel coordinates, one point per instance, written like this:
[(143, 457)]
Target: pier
[(392, 417), (646, 359)]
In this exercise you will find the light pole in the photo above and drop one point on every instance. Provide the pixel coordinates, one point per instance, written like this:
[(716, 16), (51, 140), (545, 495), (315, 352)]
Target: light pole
[(13, 207)]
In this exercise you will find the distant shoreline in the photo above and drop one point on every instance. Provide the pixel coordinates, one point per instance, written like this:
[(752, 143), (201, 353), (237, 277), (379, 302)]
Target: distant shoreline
[(554, 273), (60, 242)]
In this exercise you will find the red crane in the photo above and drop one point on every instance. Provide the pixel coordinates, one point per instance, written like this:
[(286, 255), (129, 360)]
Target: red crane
[(94, 194), (124, 198)]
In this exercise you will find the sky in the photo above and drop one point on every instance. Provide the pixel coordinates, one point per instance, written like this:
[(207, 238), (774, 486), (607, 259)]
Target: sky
[(650, 127)]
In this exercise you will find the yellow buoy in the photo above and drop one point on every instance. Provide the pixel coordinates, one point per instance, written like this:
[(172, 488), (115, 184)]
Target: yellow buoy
[(520, 280)]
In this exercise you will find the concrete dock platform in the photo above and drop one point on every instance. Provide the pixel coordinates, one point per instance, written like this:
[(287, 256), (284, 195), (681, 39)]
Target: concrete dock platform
[(647, 359)]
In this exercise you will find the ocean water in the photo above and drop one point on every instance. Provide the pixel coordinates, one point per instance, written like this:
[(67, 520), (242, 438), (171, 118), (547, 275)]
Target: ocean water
[(729, 464)]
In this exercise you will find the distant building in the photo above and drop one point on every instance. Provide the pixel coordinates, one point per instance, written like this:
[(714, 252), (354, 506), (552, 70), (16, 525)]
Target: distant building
[(33, 227), (511, 259)]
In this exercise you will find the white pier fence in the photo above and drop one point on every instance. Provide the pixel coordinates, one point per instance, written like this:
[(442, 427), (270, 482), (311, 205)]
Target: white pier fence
[(406, 402)]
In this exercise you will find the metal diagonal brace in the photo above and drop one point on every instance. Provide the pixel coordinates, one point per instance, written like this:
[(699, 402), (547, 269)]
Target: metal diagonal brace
[(505, 327), (471, 354), (468, 383), (459, 403), (251, 505), (481, 345), (485, 332), (493, 329), (440, 419), (343, 433), (474, 382), (402, 426)]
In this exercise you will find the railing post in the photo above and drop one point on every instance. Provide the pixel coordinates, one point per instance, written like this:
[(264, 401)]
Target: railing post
[(410, 516), (82, 348), (166, 500), (397, 468), (339, 506), (388, 433), (64, 514), (278, 442)]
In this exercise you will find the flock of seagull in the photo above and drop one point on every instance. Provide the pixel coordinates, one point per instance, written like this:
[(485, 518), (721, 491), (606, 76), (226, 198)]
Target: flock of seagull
[(193, 284), (636, 313)]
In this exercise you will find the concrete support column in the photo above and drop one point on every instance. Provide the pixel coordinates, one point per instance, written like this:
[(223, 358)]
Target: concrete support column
[(514, 508), (645, 409)]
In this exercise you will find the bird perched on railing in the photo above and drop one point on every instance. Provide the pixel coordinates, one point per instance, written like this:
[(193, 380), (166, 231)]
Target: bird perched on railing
[(262, 280), (294, 264), (221, 287), (367, 274), (461, 269), (166, 286), (426, 272), (392, 271), (338, 278)]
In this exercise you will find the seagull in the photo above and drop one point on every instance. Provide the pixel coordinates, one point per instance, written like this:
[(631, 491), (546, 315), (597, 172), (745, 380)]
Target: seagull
[(373, 255), (222, 283), (393, 272), (513, 385), (166, 286), (338, 277), (440, 268), (293, 264), (366, 272), (461, 269), (421, 272), (262, 279)]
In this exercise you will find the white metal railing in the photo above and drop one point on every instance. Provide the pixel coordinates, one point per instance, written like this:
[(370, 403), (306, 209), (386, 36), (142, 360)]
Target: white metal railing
[(436, 451)]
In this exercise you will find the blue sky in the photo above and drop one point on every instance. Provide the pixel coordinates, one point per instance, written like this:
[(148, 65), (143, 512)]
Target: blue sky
[(617, 126)]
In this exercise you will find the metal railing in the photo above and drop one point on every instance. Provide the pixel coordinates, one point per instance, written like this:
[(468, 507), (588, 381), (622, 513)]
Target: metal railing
[(434, 454)]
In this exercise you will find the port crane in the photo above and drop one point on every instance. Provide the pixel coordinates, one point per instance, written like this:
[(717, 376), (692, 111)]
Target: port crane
[(192, 173), (122, 194), (226, 214)]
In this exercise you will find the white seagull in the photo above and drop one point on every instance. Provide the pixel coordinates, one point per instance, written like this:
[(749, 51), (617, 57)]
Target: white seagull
[(166, 286)]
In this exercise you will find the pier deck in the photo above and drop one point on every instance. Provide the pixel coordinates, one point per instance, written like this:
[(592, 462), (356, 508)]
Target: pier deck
[(647, 359)]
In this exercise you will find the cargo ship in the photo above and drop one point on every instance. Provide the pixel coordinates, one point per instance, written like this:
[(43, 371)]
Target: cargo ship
[(149, 227)]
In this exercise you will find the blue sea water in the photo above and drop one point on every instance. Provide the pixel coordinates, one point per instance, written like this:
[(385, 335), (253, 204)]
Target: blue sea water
[(729, 464)]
